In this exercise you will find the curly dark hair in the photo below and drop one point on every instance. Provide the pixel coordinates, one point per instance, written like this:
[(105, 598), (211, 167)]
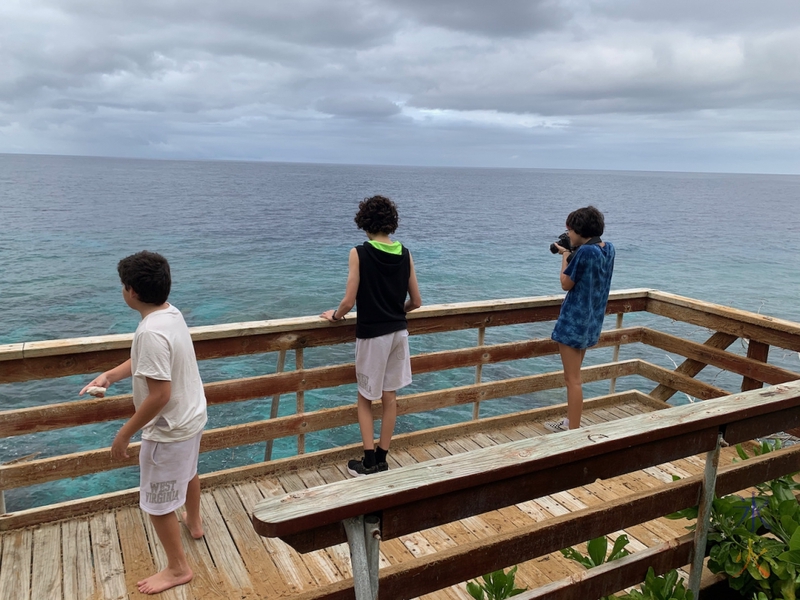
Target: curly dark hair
[(147, 274), (587, 222), (377, 214)]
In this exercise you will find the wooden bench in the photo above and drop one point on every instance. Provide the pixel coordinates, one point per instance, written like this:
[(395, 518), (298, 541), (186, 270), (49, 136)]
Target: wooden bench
[(440, 491)]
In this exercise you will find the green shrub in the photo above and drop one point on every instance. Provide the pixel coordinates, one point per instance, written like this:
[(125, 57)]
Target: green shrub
[(663, 587), (756, 541)]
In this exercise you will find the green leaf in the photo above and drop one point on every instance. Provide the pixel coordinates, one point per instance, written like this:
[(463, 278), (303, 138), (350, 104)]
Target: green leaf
[(740, 451), (755, 573), (579, 558), (597, 550), (498, 585), (670, 579), (618, 550), (793, 556), (687, 513), (475, 591)]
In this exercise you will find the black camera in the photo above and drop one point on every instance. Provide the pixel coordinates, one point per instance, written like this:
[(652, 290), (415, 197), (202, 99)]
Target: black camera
[(563, 241)]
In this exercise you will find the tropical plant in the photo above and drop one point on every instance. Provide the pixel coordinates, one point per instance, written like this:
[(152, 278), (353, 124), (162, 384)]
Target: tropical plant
[(495, 586), (596, 553), (662, 587), (756, 541)]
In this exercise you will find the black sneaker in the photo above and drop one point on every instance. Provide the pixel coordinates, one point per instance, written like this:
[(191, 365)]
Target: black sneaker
[(356, 468), (383, 466)]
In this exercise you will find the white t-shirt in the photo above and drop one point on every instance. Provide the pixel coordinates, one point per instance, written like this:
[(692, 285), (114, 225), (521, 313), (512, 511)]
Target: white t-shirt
[(162, 349)]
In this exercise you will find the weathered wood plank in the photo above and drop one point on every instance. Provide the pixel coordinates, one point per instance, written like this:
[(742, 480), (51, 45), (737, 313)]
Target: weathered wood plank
[(10, 351), (107, 556), (284, 572), (209, 581), (252, 551), (743, 324), (682, 383), (221, 546), (160, 558), (15, 575), (46, 572), (134, 545), (76, 558), (690, 425)]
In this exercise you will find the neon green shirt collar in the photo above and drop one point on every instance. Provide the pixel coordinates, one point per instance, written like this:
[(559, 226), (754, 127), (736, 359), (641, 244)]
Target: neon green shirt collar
[(393, 248)]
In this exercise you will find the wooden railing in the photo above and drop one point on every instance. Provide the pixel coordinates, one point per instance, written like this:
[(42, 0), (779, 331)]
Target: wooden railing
[(49, 359), (436, 492)]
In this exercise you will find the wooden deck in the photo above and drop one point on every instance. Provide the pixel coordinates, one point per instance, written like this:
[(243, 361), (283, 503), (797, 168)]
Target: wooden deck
[(103, 555)]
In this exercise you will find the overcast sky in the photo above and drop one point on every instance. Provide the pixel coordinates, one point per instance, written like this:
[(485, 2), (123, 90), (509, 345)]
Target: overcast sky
[(686, 85)]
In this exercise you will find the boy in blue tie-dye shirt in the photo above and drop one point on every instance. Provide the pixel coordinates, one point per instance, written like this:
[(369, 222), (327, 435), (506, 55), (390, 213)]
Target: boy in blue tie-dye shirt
[(586, 271)]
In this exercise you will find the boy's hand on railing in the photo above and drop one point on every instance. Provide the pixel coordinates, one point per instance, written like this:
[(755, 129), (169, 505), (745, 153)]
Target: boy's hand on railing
[(328, 316)]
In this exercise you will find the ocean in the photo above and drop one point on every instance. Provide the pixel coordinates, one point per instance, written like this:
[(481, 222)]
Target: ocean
[(250, 241)]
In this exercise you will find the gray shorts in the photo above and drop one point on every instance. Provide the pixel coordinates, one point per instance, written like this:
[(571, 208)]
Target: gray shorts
[(383, 364), (166, 468)]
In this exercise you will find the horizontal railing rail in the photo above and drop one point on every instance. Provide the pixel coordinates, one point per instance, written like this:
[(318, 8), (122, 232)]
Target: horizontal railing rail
[(57, 358), (432, 493)]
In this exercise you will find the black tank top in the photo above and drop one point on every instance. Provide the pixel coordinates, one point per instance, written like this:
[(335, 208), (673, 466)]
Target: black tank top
[(382, 291)]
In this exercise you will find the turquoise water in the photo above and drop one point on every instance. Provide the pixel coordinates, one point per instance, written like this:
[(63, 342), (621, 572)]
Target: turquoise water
[(251, 241)]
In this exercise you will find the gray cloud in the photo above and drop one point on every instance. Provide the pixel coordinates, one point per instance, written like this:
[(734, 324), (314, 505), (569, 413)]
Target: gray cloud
[(497, 18), (358, 107), (515, 82)]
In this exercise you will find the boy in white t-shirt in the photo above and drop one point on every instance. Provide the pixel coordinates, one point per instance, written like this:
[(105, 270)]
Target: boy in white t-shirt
[(170, 410)]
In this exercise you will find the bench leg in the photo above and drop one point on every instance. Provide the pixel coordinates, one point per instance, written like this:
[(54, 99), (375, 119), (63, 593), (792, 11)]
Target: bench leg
[(363, 538), (704, 517)]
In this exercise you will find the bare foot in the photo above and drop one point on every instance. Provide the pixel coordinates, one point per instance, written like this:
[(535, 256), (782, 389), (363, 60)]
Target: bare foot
[(163, 580), (195, 528)]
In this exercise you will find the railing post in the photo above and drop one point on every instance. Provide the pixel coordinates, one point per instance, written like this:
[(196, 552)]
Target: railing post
[(276, 400), (363, 538), (478, 373), (2, 502), (704, 517), (613, 385), (757, 351), (301, 400)]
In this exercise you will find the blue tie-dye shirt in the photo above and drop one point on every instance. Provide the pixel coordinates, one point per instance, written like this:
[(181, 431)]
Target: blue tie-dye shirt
[(581, 317)]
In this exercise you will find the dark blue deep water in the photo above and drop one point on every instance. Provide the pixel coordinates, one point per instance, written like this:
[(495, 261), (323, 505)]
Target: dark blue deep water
[(252, 241)]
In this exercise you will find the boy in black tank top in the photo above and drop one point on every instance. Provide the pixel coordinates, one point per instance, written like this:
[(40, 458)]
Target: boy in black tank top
[(382, 281)]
